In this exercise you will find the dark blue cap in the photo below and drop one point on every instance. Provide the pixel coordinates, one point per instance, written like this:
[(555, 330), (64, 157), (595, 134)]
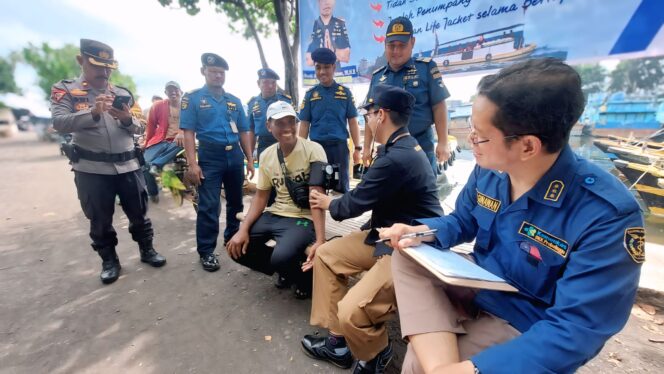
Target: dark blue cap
[(267, 73), (400, 29), (210, 59), (392, 98), (324, 56)]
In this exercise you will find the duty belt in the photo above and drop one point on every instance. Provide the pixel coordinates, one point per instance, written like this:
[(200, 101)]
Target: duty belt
[(105, 157)]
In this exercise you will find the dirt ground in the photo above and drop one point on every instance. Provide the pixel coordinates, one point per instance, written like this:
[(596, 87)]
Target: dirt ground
[(57, 317)]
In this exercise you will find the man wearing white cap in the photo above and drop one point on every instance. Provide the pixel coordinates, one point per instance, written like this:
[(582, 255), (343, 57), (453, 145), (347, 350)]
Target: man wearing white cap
[(285, 166)]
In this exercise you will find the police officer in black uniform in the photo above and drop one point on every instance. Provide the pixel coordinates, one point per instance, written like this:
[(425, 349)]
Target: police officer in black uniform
[(105, 160)]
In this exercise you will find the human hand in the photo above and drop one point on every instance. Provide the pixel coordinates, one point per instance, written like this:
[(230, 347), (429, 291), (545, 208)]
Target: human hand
[(179, 139), (356, 157), (309, 263), (396, 231), (442, 151), (124, 115), (250, 169), (237, 246), (194, 175), (319, 200), (366, 158), (102, 103)]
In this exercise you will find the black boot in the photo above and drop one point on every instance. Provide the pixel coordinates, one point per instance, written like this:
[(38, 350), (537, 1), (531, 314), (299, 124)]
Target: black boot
[(110, 265), (149, 255)]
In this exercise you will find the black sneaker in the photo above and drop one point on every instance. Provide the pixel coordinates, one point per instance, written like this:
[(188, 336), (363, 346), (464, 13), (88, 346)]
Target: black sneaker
[(282, 282), (210, 262), (376, 365), (316, 347)]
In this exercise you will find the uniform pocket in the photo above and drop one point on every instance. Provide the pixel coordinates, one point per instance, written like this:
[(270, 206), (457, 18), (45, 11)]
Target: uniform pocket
[(484, 219), (534, 268)]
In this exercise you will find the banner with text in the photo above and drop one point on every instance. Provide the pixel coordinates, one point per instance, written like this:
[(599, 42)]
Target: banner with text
[(464, 36)]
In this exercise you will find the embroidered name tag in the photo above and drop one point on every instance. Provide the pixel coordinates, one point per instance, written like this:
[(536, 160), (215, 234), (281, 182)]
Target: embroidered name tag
[(487, 202), (542, 237)]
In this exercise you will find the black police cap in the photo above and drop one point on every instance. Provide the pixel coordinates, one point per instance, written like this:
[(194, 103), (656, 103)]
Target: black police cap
[(211, 59), (400, 29), (390, 97), (98, 53), (324, 56), (267, 73)]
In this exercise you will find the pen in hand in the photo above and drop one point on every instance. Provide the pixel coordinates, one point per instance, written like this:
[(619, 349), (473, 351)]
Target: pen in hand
[(411, 235)]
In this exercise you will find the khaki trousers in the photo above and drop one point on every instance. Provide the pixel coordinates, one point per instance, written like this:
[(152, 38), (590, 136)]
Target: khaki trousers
[(426, 304), (361, 312)]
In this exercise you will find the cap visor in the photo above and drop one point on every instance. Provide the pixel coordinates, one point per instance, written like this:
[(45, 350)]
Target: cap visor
[(282, 115), (399, 38), (112, 64)]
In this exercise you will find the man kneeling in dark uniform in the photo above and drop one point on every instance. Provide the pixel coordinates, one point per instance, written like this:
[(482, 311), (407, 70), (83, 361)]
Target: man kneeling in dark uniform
[(103, 154)]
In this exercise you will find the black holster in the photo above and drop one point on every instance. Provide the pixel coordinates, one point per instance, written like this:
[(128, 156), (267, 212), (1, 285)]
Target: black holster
[(70, 151)]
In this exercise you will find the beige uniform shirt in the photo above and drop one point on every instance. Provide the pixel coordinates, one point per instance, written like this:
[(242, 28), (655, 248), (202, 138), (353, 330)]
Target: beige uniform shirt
[(298, 165), (71, 105)]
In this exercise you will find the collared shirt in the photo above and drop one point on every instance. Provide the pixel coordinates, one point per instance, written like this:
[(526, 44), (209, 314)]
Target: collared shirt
[(257, 111), (328, 109), (398, 187), (420, 77), (338, 34), (71, 105), (213, 120), (572, 245)]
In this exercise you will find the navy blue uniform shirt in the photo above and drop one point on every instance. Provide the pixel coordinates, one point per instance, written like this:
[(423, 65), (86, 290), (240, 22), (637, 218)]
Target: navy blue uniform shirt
[(572, 245), (328, 109), (420, 77), (257, 110), (214, 121), (398, 187)]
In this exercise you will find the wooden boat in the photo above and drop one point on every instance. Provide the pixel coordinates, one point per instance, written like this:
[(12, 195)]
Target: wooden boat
[(647, 180)]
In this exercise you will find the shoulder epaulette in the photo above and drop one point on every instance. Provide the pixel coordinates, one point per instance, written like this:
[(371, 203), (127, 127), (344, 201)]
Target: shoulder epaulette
[(192, 91), (379, 69), (286, 95), (423, 59)]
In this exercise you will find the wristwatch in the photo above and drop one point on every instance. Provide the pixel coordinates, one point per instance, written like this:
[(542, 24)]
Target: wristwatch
[(358, 147)]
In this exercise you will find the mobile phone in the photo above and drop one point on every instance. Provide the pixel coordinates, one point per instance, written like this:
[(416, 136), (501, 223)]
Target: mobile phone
[(119, 100)]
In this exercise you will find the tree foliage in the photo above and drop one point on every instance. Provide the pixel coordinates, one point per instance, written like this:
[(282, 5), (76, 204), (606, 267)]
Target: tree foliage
[(259, 18), (7, 82), (55, 64), (640, 74), (593, 78)]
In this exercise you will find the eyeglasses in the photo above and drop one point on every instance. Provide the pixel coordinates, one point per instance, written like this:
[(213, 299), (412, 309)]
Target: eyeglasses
[(472, 136)]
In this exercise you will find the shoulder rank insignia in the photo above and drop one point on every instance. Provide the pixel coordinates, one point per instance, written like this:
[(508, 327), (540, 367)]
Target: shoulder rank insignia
[(378, 70), (635, 243), (554, 191), (78, 92), (423, 59), (488, 202), (315, 96)]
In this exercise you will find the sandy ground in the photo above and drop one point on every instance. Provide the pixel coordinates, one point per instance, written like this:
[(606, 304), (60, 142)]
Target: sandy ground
[(57, 317)]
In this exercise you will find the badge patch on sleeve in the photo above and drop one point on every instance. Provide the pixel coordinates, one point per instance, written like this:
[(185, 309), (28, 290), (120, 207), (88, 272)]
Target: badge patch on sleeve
[(544, 238), (57, 94), (185, 103), (635, 243), (487, 202)]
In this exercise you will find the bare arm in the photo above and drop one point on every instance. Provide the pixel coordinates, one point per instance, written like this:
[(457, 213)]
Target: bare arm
[(354, 128), (194, 172), (318, 216), (247, 138), (440, 121), (304, 129), (237, 246), (343, 55)]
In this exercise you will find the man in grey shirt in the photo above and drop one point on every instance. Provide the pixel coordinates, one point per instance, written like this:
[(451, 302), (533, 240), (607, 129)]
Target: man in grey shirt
[(103, 156)]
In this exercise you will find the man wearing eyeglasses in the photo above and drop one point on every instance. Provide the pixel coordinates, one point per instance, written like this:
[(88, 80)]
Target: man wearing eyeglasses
[(420, 77), (567, 234), (398, 187)]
